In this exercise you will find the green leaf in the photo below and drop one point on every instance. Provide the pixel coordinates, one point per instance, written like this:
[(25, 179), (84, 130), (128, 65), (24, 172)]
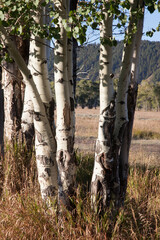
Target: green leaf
[(76, 29), (7, 3), (14, 8), (94, 25), (119, 25), (68, 28), (158, 28), (1, 16), (70, 20), (20, 29), (69, 34), (151, 9), (149, 33)]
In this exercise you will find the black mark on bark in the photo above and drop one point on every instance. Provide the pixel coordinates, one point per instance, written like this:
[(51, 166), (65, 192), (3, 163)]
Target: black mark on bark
[(72, 104), (61, 80), (45, 160), (67, 116), (48, 171), (37, 116), (111, 75), (122, 102), (49, 191)]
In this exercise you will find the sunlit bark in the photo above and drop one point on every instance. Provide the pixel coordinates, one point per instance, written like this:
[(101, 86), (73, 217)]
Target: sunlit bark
[(108, 181), (13, 93), (131, 104), (1, 135), (27, 120), (102, 175), (65, 109), (45, 156)]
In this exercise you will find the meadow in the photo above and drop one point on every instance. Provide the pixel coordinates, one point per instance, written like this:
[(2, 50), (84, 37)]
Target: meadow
[(145, 147), (23, 215)]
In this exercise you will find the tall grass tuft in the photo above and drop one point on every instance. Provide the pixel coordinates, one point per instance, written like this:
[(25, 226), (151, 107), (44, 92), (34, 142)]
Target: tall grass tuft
[(19, 166), (23, 215), (144, 134)]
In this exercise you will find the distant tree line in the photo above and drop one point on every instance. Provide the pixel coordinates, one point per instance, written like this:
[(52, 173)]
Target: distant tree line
[(87, 93), (88, 58)]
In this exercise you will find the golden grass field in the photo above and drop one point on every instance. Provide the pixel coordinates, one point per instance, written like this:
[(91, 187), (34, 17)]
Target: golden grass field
[(24, 216), (87, 122), (145, 147)]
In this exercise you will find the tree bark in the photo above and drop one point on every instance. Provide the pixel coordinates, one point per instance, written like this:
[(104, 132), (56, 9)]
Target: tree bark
[(27, 124), (73, 7), (131, 104), (13, 93), (45, 156), (1, 136), (65, 105), (11, 81), (108, 179), (1, 119), (38, 67), (102, 179)]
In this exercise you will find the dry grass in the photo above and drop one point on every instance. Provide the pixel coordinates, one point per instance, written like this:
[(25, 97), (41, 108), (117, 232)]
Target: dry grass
[(86, 122), (24, 216), (145, 122), (145, 147)]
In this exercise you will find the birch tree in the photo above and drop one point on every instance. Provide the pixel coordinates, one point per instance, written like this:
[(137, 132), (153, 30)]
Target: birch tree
[(102, 167), (109, 177), (1, 120), (65, 109), (131, 104), (45, 155), (13, 93), (1, 136), (38, 67)]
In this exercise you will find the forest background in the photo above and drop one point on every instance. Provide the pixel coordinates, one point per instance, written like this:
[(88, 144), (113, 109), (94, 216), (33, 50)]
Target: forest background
[(87, 92)]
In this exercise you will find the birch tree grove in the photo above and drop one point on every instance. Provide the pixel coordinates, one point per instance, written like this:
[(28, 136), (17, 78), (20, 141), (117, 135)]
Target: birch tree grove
[(54, 143), (45, 156), (110, 169)]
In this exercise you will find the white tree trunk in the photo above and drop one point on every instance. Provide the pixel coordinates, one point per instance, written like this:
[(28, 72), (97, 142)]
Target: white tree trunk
[(45, 156), (27, 119), (70, 82), (124, 80), (132, 98), (11, 81), (38, 67), (1, 137), (64, 132), (1, 122), (106, 179), (103, 159), (122, 120), (73, 7), (13, 92)]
